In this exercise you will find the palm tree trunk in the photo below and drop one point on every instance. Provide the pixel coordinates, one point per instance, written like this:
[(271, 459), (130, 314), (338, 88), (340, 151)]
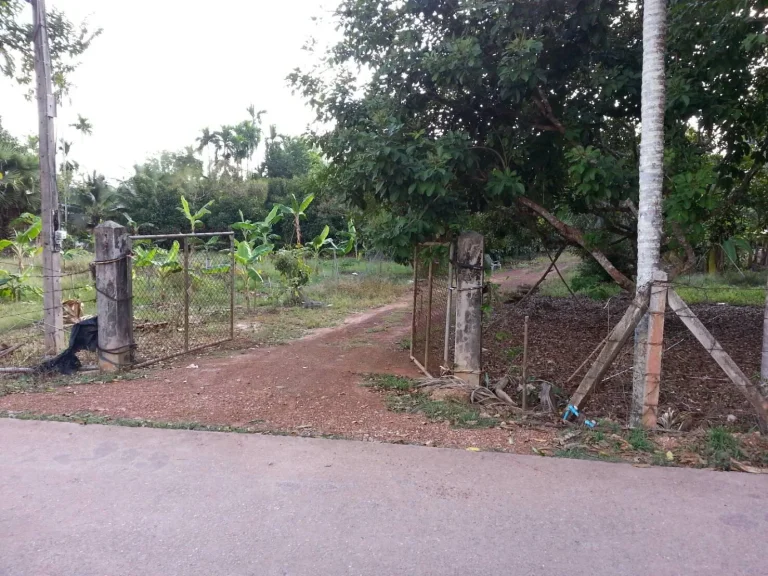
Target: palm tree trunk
[(650, 218), (298, 229)]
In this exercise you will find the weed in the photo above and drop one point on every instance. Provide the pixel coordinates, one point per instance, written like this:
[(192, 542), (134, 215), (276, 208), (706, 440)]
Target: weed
[(404, 344), (457, 414), (501, 336), (376, 329), (597, 436), (639, 440), (513, 353), (720, 446), (388, 382)]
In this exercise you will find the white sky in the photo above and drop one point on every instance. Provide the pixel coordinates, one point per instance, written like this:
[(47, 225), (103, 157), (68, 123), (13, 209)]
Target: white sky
[(164, 69)]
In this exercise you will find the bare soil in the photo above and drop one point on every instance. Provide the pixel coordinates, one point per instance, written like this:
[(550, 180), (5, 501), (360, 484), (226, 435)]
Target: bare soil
[(308, 386), (564, 331)]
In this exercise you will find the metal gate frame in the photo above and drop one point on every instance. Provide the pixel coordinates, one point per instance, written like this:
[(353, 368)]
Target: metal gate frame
[(187, 285), (423, 363)]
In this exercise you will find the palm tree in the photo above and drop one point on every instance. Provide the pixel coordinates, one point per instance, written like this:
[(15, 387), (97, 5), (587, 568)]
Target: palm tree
[(97, 200), (83, 125), (68, 168), (650, 216), (18, 183)]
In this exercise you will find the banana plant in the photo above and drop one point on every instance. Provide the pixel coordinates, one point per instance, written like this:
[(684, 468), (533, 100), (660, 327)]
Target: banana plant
[(247, 257), (261, 229), (318, 244), (13, 285), (297, 211), (23, 243), (730, 247), (195, 220)]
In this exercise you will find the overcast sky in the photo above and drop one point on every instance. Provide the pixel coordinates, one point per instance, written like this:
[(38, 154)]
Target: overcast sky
[(163, 70)]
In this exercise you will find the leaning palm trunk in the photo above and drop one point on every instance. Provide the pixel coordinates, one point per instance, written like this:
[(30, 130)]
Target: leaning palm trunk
[(650, 219)]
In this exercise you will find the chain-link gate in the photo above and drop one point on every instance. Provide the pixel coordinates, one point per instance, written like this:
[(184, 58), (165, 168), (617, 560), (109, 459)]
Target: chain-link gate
[(432, 331), (183, 293)]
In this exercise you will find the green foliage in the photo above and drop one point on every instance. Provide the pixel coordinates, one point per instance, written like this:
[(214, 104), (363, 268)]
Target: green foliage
[(457, 414), (15, 286), (389, 382), (68, 41), (720, 446), (291, 266), (297, 210), (195, 220), (23, 245), (639, 440), (469, 106)]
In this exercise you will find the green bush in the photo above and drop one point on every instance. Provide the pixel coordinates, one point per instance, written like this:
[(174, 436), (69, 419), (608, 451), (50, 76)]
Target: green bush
[(295, 272)]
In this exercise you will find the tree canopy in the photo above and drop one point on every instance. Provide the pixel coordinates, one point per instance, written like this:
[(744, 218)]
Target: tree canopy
[(445, 108)]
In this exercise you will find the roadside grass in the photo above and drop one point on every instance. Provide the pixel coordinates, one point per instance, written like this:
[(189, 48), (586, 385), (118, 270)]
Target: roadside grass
[(49, 382), (388, 382), (719, 447), (457, 414)]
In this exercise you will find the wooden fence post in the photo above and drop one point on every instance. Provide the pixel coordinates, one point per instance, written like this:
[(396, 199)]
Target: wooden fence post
[(655, 349), (114, 293), (469, 300)]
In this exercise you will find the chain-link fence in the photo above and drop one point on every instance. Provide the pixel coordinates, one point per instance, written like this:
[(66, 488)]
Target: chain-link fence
[(432, 332), (183, 293)]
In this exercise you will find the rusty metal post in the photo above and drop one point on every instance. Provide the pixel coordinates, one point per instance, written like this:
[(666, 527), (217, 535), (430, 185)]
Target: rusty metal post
[(429, 315), (186, 295), (232, 287)]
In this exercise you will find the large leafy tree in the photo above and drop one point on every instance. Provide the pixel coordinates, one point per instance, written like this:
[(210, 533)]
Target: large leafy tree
[(532, 108), (19, 192), (68, 41)]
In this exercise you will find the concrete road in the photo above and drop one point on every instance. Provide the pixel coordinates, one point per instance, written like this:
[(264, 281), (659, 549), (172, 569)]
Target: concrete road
[(98, 500)]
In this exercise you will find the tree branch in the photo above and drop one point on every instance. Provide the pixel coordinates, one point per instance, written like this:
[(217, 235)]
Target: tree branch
[(575, 236)]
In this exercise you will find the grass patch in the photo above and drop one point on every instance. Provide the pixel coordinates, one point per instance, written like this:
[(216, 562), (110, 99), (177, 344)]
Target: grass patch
[(404, 344), (583, 454), (719, 447), (457, 414), (388, 382), (640, 441), (49, 382)]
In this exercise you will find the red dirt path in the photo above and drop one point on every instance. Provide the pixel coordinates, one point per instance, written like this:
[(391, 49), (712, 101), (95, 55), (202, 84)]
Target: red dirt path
[(309, 386)]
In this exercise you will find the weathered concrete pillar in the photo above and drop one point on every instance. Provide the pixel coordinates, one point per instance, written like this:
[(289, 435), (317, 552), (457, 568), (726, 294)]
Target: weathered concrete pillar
[(114, 293), (469, 300)]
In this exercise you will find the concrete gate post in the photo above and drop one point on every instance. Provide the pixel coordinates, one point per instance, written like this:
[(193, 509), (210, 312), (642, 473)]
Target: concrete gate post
[(469, 300)]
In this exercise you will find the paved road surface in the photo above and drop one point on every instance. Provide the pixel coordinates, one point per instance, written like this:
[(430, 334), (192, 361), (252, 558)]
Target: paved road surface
[(97, 500)]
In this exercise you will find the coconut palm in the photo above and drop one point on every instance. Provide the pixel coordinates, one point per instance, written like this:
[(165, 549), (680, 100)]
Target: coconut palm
[(97, 200), (650, 217), (18, 183), (83, 125)]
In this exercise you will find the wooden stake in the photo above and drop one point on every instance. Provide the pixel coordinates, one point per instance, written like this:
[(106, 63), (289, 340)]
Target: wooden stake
[(615, 342), (655, 348), (415, 294), (731, 369), (525, 365), (53, 315), (543, 277)]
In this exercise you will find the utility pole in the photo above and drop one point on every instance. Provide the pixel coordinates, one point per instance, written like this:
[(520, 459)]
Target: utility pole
[(53, 316)]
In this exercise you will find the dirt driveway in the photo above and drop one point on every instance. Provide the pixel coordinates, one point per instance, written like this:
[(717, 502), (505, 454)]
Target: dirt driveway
[(308, 386)]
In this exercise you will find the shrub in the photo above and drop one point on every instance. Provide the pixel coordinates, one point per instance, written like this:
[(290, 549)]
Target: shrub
[(295, 272)]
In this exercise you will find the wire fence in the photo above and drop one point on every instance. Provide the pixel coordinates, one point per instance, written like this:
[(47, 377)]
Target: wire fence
[(22, 328), (432, 332), (183, 294)]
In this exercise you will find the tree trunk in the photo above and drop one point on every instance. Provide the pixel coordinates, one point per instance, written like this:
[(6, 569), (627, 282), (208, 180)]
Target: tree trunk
[(575, 236), (650, 218), (298, 230)]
